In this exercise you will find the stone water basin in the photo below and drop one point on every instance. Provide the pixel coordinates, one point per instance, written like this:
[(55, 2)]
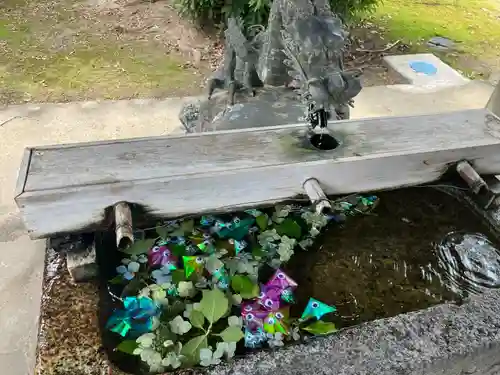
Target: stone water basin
[(419, 248)]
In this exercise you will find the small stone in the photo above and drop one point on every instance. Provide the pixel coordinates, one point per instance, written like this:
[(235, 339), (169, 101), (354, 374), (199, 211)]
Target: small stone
[(82, 265)]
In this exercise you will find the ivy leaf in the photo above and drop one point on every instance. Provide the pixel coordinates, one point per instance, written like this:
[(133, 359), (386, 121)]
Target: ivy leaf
[(162, 231), (232, 334), (213, 305), (117, 280), (244, 286), (258, 253), (178, 250), (289, 228), (187, 226), (139, 247), (178, 276), (127, 346), (133, 287), (192, 348), (197, 318), (262, 221), (320, 328)]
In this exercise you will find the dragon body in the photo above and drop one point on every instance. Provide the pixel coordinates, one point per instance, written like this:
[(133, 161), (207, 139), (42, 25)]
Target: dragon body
[(304, 42)]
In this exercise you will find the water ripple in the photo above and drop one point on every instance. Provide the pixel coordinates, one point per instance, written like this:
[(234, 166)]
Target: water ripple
[(468, 263)]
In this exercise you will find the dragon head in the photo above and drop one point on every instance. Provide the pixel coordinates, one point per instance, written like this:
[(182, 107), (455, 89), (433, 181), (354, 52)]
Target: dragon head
[(314, 49)]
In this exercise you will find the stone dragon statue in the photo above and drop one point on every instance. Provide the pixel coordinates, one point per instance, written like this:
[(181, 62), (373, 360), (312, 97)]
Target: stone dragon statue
[(301, 50)]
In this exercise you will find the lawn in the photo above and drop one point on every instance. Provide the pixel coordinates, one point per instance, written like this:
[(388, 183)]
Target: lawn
[(60, 50), (473, 24)]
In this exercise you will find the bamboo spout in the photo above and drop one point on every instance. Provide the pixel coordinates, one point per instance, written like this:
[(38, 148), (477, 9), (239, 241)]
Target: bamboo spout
[(123, 225), (317, 196), (471, 177)]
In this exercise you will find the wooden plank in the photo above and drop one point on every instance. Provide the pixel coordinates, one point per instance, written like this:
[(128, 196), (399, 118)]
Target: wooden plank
[(494, 102), (22, 175), (68, 188)]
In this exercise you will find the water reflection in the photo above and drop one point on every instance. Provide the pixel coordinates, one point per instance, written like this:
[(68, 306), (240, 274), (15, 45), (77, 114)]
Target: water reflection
[(468, 263), (420, 248)]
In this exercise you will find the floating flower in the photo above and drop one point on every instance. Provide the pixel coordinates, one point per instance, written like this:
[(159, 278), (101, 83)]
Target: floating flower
[(189, 308), (145, 340), (142, 258), (186, 289), (267, 238), (295, 333), (285, 251), (225, 349), (314, 231), (208, 358), (314, 219), (172, 360), (281, 213), (285, 248), (236, 299), (275, 340), (179, 325), (235, 321), (158, 294), (162, 275), (306, 243), (128, 272)]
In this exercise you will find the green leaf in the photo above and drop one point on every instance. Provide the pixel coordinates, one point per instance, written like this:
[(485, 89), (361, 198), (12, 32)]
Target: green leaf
[(213, 305), (187, 226), (192, 348), (162, 231), (289, 228), (262, 221), (196, 318), (133, 287), (178, 250), (320, 328), (117, 280), (178, 276), (139, 247), (258, 253), (127, 346), (244, 286), (232, 334)]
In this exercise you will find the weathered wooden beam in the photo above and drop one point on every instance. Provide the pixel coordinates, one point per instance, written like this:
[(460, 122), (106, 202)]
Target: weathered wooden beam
[(66, 188), (494, 102)]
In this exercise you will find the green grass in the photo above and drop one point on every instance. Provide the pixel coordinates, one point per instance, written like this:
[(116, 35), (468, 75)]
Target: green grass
[(473, 24), (89, 66)]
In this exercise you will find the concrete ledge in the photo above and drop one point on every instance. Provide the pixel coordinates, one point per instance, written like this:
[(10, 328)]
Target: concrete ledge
[(445, 339), (444, 75)]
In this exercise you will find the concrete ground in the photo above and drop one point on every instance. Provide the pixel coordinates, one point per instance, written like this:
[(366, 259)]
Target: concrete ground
[(21, 260)]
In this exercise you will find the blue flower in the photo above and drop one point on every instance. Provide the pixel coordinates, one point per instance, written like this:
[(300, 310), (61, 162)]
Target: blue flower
[(136, 317)]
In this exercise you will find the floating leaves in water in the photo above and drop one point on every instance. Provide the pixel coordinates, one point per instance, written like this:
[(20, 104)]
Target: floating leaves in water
[(198, 272), (320, 328), (468, 262)]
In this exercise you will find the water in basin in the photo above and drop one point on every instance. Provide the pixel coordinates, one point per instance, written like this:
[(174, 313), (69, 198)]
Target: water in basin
[(418, 248)]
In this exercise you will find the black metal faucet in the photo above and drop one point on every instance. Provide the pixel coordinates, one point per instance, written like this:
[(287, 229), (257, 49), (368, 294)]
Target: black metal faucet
[(318, 117)]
